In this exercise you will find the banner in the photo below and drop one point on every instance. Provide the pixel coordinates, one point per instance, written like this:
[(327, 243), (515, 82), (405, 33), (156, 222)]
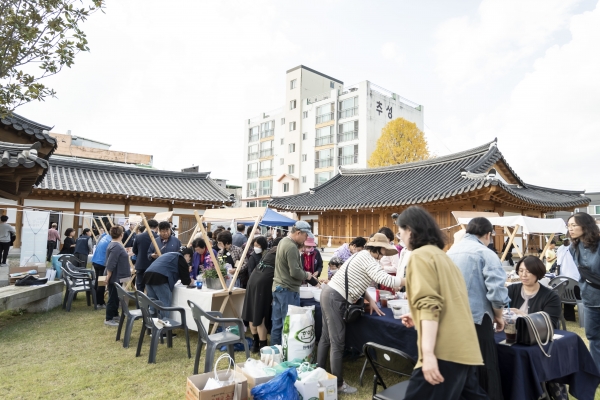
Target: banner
[(34, 237)]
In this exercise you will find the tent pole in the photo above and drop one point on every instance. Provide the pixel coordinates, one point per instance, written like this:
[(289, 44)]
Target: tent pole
[(546, 247), (210, 250), (510, 242), (145, 222)]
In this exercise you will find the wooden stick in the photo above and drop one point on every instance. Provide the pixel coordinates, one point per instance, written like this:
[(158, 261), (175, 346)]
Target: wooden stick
[(510, 241), (546, 247), (156, 249), (97, 227), (238, 267), (210, 250)]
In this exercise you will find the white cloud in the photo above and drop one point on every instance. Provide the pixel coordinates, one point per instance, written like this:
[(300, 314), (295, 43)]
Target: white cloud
[(549, 130), (472, 50), (389, 51)]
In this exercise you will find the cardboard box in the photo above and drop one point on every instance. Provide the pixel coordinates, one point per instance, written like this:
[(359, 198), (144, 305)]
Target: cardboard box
[(195, 387), (311, 390), (252, 381), (101, 280)]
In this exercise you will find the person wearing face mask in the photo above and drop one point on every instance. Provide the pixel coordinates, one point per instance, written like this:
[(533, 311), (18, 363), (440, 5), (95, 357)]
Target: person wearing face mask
[(311, 258), (362, 268), (257, 301)]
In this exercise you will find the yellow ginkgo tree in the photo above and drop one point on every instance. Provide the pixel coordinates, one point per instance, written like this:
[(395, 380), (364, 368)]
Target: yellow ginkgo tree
[(400, 142)]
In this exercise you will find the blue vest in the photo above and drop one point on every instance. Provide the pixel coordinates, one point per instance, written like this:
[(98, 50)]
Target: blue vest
[(100, 252), (167, 265), (81, 245)]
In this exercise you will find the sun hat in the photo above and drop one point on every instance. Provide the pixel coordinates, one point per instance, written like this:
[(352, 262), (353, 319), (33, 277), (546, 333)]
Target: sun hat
[(310, 242), (380, 240), (304, 227)]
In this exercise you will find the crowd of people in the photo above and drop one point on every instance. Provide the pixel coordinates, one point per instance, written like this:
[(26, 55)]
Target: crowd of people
[(413, 260)]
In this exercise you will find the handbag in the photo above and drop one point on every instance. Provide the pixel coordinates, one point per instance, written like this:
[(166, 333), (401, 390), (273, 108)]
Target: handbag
[(536, 328), (353, 311)]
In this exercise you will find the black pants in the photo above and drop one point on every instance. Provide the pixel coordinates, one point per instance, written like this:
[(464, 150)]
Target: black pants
[(139, 280), (82, 260), (460, 382), (50, 248), (488, 374), (112, 307), (4, 247), (100, 290)]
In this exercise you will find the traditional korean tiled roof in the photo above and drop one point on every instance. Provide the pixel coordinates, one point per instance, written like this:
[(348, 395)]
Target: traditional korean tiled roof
[(108, 178), (38, 132), (427, 181)]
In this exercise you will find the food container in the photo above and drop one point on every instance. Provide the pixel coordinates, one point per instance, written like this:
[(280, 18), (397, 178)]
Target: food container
[(306, 292), (397, 303)]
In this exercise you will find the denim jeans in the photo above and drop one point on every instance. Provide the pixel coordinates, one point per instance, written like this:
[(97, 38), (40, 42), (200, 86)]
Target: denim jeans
[(161, 293), (282, 298), (592, 331)]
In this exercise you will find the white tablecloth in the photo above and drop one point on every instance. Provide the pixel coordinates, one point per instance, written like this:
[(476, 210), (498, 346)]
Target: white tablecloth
[(206, 300)]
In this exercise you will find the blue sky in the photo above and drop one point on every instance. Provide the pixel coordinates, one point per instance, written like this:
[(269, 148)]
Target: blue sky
[(178, 79)]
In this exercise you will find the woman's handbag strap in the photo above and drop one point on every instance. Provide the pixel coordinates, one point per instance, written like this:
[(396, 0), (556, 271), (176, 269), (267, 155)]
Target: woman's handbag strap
[(550, 328)]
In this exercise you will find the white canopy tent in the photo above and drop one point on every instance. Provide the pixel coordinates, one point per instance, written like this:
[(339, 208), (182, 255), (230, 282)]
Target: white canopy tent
[(528, 225)]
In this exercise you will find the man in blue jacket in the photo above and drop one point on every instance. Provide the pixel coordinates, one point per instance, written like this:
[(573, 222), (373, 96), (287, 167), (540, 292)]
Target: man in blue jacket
[(83, 247), (99, 264), (167, 243), (165, 271), (140, 249)]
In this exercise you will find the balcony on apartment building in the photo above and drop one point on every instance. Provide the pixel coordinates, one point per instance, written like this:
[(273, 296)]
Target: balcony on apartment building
[(266, 172), (252, 138), (324, 118), (252, 174), (265, 191), (252, 156), (348, 112), (323, 140), (347, 136), (267, 133), (266, 153), (324, 163), (347, 160)]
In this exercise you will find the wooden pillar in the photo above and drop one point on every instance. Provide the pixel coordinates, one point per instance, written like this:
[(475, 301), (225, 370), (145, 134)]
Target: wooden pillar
[(127, 205), (348, 227), (77, 210), (19, 222)]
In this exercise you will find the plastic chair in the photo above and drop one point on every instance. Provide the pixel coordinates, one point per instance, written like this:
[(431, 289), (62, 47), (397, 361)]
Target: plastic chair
[(149, 323), (559, 288), (68, 258), (132, 315), (569, 296), (392, 360), (215, 340), (76, 283)]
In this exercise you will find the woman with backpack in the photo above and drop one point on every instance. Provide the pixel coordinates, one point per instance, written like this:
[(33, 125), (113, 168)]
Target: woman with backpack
[(585, 249)]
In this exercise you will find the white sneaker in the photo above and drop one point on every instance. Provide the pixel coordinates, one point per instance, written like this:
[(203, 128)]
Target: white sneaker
[(111, 322), (347, 389)]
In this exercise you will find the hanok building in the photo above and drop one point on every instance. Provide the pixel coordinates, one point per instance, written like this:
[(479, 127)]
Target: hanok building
[(101, 183), (357, 202)]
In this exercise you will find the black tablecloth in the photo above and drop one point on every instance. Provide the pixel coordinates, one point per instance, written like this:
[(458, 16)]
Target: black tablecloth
[(384, 330), (523, 368)]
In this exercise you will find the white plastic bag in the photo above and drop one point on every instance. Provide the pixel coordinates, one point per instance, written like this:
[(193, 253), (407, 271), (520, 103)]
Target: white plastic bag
[(299, 334), (313, 376), (271, 355)]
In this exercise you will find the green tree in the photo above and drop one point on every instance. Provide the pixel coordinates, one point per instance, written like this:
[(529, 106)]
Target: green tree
[(37, 39), (400, 142)]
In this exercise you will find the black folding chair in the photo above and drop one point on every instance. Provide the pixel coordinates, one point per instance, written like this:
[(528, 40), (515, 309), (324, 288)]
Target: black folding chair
[(559, 287), (393, 360), (131, 315)]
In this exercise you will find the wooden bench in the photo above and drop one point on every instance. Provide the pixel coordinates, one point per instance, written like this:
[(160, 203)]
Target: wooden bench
[(32, 298)]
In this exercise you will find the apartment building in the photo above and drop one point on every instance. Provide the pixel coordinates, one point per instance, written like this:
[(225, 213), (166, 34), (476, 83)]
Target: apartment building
[(323, 125)]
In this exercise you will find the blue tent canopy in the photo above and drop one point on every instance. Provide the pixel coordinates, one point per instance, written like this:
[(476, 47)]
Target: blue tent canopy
[(273, 218)]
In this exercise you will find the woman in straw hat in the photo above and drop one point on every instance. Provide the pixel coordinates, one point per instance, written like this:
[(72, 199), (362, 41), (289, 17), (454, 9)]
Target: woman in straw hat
[(362, 268)]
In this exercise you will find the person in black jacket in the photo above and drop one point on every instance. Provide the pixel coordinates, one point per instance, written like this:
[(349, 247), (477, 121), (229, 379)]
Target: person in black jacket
[(83, 247), (140, 248), (259, 246), (529, 296)]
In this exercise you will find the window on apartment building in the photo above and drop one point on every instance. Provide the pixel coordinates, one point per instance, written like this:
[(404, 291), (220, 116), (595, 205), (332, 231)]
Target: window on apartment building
[(324, 158), (348, 131), (266, 168), (324, 136), (291, 169), (292, 104), (594, 210), (251, 204), (348, 107), (322, 177), (304, 179), (252, 152), (348, 155), (292, 126), (304, 114), (266, 187), (253, 134), (293, 83), (292, 148), (281, 161), (304, 157), (282, 121), (252, 189), (286, 187), (252, 170), (267, 129), (324, 113), (304, 136), (281, 141), (264, 203), (331, 84)]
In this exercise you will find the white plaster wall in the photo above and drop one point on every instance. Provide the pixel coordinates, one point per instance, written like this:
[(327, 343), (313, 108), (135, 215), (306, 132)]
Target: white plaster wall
[(144, 209), (102, 206), (48, 203)]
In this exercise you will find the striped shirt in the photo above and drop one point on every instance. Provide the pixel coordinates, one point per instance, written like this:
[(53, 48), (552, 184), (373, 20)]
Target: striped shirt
[(363, 269)]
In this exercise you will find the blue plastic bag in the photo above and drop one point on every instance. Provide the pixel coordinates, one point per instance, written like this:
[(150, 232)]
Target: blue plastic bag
[(238, 346), (279, 388)]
